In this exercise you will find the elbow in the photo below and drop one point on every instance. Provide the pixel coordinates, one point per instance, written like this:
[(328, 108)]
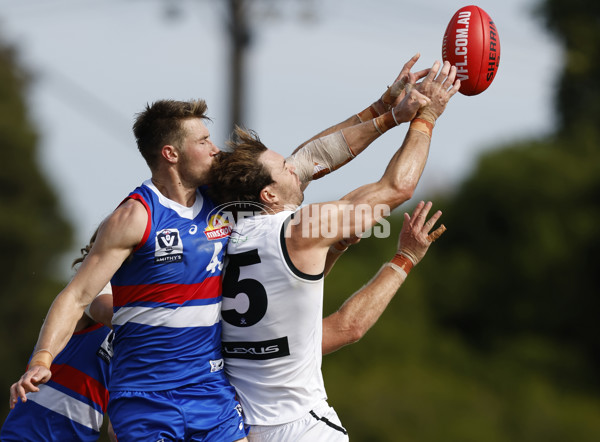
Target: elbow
[(400, 192), (398, 189), (355, 332)]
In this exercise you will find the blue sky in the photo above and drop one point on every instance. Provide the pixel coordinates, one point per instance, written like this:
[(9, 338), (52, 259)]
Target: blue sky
[(96, 63)]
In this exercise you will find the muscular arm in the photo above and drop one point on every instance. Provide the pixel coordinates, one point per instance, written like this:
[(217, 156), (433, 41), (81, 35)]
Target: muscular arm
[(337, 145), (116, 239), (390, 98), (362, 208), (362, 310)]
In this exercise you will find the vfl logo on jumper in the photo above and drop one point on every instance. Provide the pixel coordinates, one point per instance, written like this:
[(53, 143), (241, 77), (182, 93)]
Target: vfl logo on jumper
[(271, 349), (218, 228), (168, 247)]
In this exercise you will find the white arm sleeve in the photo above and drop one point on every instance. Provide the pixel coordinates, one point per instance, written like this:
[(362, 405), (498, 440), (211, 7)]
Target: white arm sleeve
[(321, 156)]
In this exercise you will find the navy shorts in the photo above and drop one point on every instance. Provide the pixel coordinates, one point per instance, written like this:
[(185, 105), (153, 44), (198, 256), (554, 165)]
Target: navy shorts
[(191, 413)]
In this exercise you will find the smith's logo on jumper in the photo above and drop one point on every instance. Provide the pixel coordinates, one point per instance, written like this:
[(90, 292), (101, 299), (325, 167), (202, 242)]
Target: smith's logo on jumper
[(274, 348), (169, 247)]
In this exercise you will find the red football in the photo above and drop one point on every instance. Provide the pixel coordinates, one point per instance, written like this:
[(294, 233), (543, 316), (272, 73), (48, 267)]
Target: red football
[(471, 43)]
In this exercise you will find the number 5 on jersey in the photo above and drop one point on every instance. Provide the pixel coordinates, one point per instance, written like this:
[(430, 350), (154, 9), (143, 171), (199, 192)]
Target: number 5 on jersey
[(254, 290)]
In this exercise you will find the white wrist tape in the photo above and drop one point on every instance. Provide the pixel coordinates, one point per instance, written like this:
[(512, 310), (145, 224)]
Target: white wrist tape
[(321, 156)]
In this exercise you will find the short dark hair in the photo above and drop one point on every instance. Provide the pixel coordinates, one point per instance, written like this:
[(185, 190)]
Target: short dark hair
[(237, 174), (159, 124)]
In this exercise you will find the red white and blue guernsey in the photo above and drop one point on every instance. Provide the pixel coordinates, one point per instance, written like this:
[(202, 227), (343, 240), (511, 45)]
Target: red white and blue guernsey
[(167, 298), (72, 404)]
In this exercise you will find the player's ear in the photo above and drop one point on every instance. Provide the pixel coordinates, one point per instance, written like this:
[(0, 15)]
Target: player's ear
[(268, 196), (170, 153)]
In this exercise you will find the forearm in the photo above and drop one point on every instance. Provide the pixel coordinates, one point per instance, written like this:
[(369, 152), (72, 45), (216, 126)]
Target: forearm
[(401, 176), (328, 153), (361, 311), (351, 121), (58, 327)]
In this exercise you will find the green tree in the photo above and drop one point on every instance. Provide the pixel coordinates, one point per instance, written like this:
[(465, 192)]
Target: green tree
[(575, 23), (33, 233), (495, 335), (525, 253)]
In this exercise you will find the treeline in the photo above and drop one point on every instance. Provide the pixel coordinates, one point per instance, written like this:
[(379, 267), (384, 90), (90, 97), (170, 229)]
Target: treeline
[(495, 335)]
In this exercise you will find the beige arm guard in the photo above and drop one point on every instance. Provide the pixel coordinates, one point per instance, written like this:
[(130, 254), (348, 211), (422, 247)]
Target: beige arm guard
[(321, 156)]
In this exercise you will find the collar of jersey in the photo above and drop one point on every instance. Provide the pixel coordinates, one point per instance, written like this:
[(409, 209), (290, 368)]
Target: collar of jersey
[(182, 211)]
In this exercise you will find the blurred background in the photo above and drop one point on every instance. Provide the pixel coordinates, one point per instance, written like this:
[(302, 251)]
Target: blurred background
[(494, 337)]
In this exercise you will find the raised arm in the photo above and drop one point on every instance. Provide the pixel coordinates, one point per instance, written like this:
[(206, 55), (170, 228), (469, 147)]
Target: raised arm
[(117, 237), (362, 310), (336, 146), (362, 208), (389, 99)]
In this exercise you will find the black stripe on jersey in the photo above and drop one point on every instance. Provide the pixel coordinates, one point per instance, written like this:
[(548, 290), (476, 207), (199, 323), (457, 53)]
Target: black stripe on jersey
[(286, 255)]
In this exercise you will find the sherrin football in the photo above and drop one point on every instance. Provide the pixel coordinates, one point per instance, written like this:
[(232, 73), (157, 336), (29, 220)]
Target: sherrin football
[(471, 43)]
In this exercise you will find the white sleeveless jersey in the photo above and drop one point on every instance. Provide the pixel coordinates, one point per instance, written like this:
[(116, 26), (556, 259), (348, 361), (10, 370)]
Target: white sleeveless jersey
[(272, 324)]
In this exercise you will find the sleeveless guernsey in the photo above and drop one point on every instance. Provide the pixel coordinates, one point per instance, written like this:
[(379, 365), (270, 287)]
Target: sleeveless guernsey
[(272, 324), (167, 298)]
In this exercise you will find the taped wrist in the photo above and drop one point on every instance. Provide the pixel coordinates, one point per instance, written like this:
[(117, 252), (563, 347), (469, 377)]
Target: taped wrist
[(423, 126), (321, 156), (409, 255), (401, 264), (369, 113), (385, 122), (427, 114), (42, 357), (384, 104)]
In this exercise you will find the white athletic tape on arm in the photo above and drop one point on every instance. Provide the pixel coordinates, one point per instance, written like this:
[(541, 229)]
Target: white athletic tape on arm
[(321, 156)]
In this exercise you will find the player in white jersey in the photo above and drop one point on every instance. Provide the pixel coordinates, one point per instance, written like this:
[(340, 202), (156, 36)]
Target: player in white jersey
[(272, 329)]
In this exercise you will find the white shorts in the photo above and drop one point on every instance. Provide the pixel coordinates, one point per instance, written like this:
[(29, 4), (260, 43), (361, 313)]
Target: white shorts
[(320, 424)]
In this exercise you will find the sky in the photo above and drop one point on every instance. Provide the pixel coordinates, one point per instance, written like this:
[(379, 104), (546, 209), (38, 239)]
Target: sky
[(311, 64)]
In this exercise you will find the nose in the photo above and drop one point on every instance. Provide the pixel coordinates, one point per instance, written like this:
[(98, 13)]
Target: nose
[(215, 148)]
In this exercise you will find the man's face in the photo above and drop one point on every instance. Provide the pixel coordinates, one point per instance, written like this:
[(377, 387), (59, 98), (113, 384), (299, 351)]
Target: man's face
[(286, 184), (197, 152)]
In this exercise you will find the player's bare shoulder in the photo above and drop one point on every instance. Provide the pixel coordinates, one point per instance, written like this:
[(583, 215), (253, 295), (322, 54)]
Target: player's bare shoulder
[(126, 226)]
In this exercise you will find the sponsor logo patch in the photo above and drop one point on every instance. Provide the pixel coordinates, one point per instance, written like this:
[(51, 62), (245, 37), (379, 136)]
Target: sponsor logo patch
[(168, 247), (105, 351), (218, 228), (271, 349)]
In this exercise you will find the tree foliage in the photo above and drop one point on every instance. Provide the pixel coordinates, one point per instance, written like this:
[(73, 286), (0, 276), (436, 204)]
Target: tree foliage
[(495, 335), (33, 233), (576, 24)]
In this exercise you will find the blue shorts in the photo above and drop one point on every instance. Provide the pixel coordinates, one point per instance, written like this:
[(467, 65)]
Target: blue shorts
[(190, 413)]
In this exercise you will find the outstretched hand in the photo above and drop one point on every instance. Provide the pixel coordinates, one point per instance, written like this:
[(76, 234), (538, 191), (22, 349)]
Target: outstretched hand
[(397, 91), (38, 374), (439, 85), (415, 239)]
